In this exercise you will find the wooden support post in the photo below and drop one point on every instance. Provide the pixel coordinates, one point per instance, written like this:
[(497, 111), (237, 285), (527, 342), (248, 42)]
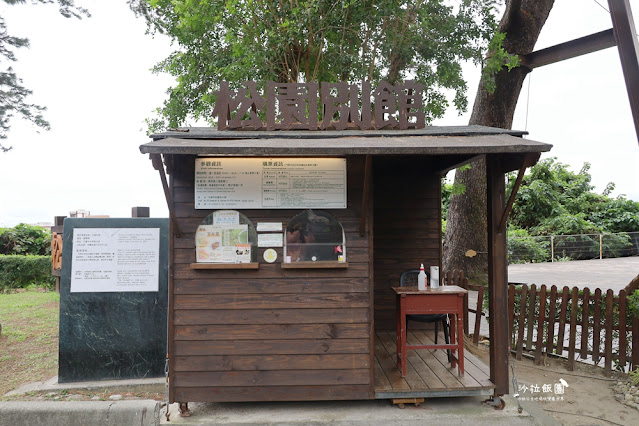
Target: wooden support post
[(140, 212), (570, 49), (156, 159), (497, 276), (368, 168), (623, 27)]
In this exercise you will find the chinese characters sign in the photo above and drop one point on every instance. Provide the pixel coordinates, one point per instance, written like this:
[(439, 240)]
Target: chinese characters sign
[(115, 259), (270, 183), (294, 106)]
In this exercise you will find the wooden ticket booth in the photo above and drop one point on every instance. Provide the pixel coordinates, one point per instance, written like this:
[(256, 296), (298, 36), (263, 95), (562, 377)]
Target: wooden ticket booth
[(277, 325)]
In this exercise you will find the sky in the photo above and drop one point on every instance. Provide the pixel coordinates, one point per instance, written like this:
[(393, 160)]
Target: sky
[(94, 77)]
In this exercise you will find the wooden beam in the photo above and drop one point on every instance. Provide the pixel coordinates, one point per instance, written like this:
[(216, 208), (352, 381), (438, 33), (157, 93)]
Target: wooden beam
[(366, 194), (497, 277), (512, 162), (511, 200), (451, 162), (570, 49), (156, 160), (626, 36)]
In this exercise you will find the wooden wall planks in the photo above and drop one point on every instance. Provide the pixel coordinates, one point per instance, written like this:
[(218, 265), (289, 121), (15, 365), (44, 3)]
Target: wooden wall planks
[(271, 333), (406, 200)]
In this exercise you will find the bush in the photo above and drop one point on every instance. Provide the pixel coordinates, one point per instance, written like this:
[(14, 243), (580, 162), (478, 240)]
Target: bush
[(23, 271), (25, 239), (523, 248)]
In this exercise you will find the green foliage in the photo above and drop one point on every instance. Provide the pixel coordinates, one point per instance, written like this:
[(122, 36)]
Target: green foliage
[(14, 95), (315, 40), (633, 303), (553, 200), (498, 58), (526, 247), (24, 271), (634, 376), (25, 239)]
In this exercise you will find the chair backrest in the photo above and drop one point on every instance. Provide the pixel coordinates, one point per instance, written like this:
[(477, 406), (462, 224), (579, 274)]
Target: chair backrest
[(409, 278)]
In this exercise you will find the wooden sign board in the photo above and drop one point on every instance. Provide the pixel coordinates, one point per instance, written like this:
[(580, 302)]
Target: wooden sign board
[(270, 183)]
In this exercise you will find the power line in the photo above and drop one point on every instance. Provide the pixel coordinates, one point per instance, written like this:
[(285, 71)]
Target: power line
[(527, 102), (600, 5)]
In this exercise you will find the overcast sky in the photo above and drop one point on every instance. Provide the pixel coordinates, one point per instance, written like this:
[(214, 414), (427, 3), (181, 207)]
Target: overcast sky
[(93, 75)]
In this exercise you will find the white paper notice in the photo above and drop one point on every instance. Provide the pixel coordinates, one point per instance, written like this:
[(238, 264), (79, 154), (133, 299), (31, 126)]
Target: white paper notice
[(270, 240), (115, 259)]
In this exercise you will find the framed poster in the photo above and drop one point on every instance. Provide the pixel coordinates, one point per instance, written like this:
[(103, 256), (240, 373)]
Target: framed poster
[(222, 244)]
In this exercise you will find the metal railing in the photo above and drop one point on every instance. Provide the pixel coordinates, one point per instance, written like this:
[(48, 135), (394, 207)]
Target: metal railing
[(554, 248)]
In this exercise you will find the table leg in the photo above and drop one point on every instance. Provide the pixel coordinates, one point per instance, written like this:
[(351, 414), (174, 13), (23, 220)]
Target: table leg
[(403, 321), (398, 332), (453, 341), (460, 330)]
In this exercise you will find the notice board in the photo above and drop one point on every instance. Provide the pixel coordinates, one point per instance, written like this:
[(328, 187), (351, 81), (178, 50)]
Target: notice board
[(270, 183)]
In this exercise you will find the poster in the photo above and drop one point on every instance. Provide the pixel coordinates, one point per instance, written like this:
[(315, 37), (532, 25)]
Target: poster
[(270, 183), (115, 259), (222, 244)]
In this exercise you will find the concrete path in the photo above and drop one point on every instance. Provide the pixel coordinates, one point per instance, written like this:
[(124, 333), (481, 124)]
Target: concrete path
[(435, 411), (605, 273)]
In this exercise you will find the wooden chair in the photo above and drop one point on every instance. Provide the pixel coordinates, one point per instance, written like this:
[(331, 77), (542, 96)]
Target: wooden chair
[(409, 279)]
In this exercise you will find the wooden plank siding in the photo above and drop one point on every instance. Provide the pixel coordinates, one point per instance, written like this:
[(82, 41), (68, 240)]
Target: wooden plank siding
[(270, 334), (406, 196)]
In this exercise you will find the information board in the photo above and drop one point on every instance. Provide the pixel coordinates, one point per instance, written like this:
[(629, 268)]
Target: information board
[(270, 183), (115, 259)]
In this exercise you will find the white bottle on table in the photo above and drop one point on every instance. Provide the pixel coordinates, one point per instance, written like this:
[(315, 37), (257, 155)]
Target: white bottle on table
[(421, 278), (434, 276)]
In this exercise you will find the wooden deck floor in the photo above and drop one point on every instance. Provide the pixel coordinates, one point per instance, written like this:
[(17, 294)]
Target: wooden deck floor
[(428, 371)]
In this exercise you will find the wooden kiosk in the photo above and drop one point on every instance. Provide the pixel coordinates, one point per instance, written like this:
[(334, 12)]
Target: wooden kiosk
[(324, 330)]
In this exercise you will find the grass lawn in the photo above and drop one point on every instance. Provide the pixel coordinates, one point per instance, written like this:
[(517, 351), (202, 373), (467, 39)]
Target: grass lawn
[(29, 339)]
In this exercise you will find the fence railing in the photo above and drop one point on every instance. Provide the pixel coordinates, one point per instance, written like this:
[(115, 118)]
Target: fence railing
[(575, 323), (594, 327), (572, 247)]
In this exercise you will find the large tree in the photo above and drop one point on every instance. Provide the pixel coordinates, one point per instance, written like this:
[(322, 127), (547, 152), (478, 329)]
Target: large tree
[(315, 40), (494, 106), (13, 95)]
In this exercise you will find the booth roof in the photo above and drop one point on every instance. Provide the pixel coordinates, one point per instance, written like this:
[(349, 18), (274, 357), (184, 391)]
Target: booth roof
[(429, 141)]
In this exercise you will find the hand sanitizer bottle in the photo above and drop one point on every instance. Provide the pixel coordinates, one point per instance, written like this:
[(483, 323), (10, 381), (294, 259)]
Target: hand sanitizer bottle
[(434, 276), (421, 278)]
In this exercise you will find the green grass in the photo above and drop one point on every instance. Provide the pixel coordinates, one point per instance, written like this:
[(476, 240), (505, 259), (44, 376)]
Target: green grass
[(29, 340)]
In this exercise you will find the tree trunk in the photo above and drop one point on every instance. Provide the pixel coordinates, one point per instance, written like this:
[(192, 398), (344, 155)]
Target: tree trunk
[(466, 222)]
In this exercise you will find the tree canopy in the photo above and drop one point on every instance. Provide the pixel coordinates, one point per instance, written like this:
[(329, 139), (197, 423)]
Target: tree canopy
[(13, 95), (315, 40), (554, 200)]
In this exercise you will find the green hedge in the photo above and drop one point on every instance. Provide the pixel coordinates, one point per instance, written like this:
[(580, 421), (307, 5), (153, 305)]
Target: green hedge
[(22, 271)]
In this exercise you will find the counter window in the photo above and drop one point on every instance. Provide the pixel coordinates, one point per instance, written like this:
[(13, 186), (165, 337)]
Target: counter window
[(226, 236), (314, 236)]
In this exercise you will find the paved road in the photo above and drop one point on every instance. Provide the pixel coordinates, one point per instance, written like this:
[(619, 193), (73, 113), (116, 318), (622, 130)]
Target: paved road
[(604, 273)]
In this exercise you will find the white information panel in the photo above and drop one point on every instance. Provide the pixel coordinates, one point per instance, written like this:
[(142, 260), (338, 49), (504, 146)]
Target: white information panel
[(270, 183), (115, 259)]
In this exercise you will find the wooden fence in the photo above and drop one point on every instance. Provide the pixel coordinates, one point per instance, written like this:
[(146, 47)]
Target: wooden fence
[(574, 323), (593, 326)]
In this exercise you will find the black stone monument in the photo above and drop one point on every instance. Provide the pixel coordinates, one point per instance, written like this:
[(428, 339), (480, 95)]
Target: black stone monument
[(112, 335)]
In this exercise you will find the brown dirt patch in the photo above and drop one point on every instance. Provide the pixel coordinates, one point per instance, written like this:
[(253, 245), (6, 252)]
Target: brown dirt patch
[(588, 398)]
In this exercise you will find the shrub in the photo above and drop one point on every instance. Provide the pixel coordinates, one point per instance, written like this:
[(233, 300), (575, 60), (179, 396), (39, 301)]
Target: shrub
[(523, 248), (22, 271), (25, 239)]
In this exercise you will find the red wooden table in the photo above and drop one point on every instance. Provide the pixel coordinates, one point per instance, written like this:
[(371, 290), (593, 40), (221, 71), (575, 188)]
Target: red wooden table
[(443, 300)]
